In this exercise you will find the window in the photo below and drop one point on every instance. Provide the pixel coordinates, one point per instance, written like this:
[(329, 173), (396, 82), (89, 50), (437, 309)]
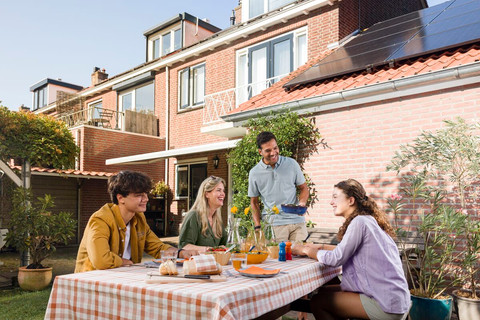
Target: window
[(156, 48), (140, 99), (191, 86), (94, 109), (255, 8), (263, 64), (165, 43), (189, 178), (40, 98)]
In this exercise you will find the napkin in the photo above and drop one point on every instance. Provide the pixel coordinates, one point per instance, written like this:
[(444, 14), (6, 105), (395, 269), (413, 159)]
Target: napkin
[(258, 270), (205, 263)]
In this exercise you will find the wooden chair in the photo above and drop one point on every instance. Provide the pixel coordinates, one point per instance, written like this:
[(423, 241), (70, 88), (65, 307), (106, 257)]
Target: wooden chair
[(105, 119)]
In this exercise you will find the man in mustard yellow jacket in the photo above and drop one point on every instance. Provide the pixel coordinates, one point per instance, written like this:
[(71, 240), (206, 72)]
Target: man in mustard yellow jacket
[(118, 233)]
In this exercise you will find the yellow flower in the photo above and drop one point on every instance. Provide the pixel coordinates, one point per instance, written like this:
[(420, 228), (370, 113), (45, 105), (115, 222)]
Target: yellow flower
[(234, 210), (247, 210), (275, 210)]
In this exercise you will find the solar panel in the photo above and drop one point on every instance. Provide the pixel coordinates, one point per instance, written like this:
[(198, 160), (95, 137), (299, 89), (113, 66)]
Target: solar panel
[(452, 23)]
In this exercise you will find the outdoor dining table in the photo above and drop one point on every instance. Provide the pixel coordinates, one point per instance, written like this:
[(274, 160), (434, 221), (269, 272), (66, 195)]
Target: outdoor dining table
[(122, 293)]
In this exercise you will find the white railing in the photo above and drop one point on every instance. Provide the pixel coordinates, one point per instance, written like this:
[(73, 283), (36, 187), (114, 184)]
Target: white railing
[(93, 116), (220, 103)]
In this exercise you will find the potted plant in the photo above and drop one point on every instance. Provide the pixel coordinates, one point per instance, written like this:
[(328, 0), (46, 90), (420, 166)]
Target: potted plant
[(159, 189), (428, 266), (449, 159), (33, 228)]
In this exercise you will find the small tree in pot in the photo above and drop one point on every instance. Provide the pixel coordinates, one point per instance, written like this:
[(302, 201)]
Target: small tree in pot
[(452, 154), (32, 227)]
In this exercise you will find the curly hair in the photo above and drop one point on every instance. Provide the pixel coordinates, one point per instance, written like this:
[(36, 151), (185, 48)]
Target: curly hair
[(126, 182), (366, 206)]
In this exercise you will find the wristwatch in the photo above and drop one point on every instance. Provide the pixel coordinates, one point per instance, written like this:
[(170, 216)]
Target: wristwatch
[(257, 227), (178, 253)]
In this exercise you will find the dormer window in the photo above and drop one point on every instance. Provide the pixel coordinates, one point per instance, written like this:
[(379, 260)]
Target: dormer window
[(166, 42), (254, 8), (40, 98)]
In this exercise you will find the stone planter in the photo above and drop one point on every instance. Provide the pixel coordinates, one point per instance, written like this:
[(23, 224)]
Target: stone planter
[(34, 279), (467, 308)]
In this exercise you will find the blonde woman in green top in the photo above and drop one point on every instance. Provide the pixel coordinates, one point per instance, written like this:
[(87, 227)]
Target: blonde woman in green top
[(203, 226)]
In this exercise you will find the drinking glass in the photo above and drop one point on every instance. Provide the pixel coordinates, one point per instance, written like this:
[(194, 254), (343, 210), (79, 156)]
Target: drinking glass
[(239, 260), (169, 255)]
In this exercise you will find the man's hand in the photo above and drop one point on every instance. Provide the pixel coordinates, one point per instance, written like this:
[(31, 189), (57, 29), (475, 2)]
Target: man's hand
[(127, 263)]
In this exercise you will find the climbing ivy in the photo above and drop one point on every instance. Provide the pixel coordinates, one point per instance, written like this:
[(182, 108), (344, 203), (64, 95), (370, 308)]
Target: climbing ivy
[(297, 137)]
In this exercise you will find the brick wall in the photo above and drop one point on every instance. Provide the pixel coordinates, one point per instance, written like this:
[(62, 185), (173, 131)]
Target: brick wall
[(363, 139), (98, 145), (93, 195)]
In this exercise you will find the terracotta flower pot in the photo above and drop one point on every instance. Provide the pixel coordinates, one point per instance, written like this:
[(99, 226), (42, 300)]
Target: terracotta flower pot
[(34, 279)]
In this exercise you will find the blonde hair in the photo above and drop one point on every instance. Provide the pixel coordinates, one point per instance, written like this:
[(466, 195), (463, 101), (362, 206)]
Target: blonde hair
[(201, 206)]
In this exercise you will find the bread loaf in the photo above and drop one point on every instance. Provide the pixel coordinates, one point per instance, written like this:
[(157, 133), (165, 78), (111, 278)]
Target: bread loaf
[(189, 267), (168, 268)]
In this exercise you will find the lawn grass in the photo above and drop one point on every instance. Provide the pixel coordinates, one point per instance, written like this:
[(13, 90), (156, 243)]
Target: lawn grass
[(18, 304)]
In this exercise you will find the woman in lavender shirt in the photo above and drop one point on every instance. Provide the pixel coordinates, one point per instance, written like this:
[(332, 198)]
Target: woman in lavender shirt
[(373, 282)]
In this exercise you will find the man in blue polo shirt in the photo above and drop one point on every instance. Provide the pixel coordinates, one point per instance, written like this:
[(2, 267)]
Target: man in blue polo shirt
[(275, 180)]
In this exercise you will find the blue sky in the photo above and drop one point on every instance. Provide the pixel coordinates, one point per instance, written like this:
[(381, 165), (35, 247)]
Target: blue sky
[(67, 39)]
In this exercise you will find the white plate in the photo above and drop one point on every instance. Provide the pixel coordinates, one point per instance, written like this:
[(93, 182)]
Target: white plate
[(258, 275)]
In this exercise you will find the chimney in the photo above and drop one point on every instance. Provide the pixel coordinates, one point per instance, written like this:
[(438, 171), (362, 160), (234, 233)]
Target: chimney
[(238, 14), (98, 75)]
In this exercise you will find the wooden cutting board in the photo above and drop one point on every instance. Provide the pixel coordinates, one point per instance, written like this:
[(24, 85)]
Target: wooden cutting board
[(153, 277)]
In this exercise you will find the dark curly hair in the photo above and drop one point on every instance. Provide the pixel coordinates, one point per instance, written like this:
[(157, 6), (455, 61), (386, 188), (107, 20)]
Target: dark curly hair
[(366, 206), (264, 137), (126, 182)]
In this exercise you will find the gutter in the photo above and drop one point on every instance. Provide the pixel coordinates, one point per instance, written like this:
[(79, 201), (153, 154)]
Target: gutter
[(220, 39), (432, 81)]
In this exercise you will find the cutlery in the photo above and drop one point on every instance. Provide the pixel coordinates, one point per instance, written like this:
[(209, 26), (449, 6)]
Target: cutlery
[(229, 249)]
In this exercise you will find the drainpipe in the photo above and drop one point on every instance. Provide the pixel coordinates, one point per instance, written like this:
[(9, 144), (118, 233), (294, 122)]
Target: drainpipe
[(26, 179), (167, 119)]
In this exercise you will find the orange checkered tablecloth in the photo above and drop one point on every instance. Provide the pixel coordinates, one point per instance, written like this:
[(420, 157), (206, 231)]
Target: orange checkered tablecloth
[(122, 293)]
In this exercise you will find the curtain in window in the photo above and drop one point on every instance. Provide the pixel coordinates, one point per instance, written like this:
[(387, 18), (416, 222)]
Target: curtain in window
[(184, 76), (302, 53), (281, 58), (198, 84), (166, 47), (177, 38), (144, 99), (275, 4), (156, 48), (242, 93), (256, 7), (259, 70)]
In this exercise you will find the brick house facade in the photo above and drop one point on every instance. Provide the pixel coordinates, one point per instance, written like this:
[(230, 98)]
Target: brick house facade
[(225, 61)]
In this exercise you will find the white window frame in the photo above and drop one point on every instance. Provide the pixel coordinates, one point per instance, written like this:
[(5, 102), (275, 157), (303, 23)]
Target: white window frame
[(91, 112), (303, 31), (246, 9), (159, 37), (132, 91), (191, 83)]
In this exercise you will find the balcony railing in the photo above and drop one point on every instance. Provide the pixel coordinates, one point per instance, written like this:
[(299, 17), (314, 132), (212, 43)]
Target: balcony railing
[(221, 103), (99, 117)]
